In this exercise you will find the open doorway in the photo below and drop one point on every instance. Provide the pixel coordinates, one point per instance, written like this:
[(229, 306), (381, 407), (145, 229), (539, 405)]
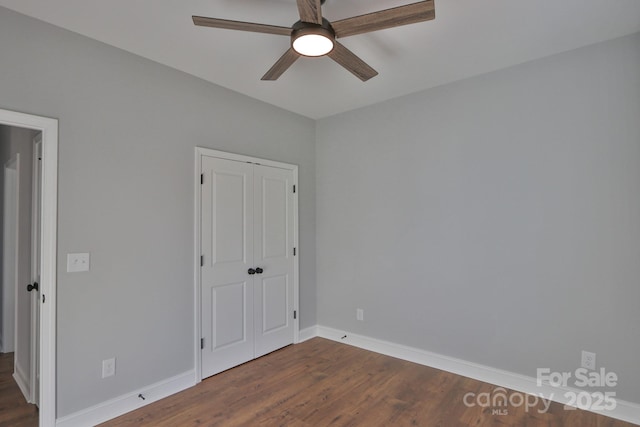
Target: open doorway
[(19, 264), (28, 154)]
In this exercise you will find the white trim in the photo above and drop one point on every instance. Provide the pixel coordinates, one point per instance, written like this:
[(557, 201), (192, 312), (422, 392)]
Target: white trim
[(296, 264), (127, 402), (626, 411), (202, 151), (19, 378), (48, 225), (197, 324), (308, 333), (199, 153)]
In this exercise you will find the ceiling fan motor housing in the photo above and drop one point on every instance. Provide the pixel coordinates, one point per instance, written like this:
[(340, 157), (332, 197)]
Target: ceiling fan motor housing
[(300, 29)]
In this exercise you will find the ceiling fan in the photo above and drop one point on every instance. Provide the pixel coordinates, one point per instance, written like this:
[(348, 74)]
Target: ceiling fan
[(315, 36)]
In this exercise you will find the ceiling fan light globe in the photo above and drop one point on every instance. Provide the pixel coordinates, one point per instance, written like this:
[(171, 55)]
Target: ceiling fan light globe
[(313, 45)]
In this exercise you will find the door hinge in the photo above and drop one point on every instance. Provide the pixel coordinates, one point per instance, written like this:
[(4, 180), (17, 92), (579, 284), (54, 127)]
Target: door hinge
[(295, 314), (201, 343), (201, 178), (294, 251), (294, 188), (201, 260)]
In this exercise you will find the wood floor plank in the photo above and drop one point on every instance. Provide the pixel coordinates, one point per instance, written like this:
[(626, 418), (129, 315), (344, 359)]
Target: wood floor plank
[(323, 383), (320, 383)]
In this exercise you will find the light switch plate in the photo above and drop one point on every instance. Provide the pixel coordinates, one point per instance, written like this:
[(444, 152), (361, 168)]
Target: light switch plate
[(77, 262)]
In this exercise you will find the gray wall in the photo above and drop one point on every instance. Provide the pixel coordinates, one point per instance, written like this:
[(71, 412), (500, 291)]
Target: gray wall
[(495, 219), (13, 141), (128, 128)]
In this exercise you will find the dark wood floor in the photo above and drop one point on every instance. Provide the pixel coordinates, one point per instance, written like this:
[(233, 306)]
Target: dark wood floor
[(323, 383), (14, 409)]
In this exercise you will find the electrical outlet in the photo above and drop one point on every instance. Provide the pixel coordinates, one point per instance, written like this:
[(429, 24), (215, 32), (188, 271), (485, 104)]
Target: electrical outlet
[(108, 367), (360, 314), (588, 360)]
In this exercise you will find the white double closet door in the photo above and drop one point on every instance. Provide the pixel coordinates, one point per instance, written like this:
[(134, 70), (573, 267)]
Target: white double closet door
[(247, 272)]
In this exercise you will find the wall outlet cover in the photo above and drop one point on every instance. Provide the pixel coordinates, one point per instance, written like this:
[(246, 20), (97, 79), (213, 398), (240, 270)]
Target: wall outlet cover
[(588, 360), (77, 262), (109, 367)]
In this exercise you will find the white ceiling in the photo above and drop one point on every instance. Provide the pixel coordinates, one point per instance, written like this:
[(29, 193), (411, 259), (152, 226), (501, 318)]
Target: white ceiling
[(467, 38)]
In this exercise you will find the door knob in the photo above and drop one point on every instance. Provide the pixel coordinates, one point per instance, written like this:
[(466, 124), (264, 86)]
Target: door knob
[(31, 287), (251, 271), (259, 270)]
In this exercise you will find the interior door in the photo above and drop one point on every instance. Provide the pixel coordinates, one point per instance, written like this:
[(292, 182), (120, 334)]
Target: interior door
[(35, 268), (227, 255), (247, 264), (273, 257)]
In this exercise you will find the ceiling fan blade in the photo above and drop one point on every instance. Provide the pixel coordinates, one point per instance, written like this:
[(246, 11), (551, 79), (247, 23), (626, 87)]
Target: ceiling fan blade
[(240, 25), (351, 62), (310, 11), (281, 65), (389, 18)]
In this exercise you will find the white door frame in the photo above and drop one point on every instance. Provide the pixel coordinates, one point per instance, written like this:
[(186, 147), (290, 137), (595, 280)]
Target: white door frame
[(48, 225), (202, 152)]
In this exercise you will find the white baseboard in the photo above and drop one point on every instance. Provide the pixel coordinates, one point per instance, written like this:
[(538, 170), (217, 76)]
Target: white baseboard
[(127, 402), (307, 333), (23, 384), (626, 411)]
